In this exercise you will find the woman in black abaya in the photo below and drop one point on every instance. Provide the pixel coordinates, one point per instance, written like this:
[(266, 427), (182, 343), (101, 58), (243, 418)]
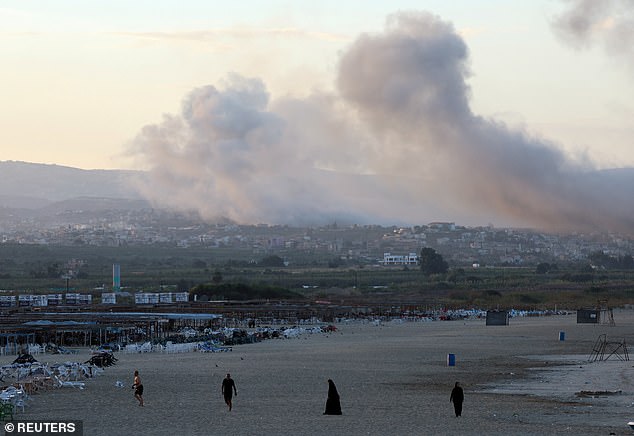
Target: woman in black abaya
[(457, 398), (333, 406)]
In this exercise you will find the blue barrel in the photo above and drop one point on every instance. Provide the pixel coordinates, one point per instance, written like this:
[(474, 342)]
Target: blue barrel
[(562, 336), (451, 360)]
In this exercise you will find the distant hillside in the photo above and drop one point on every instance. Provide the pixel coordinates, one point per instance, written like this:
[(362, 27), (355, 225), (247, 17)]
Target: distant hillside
[(26, 185), (602, 199), (95, 204), (22, 201)]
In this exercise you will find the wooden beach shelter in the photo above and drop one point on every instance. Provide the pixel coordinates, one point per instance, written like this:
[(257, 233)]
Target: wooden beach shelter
[(497, 317), (602, 314), (587, 316)]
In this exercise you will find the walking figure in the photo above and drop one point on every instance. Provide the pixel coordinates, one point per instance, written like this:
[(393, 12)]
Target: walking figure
[(138, 388), (333, 406), (228, 389), (457, 397)]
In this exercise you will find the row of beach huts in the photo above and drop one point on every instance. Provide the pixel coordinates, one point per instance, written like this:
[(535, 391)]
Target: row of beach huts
[(75, 299)]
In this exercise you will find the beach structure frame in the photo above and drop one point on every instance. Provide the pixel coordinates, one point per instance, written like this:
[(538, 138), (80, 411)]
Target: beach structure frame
[(21, 329), (604, 350), (13, 342), (605, 313)]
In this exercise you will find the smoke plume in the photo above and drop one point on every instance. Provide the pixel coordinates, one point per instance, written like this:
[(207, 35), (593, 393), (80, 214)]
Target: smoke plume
[(397, 143), (606, 22)]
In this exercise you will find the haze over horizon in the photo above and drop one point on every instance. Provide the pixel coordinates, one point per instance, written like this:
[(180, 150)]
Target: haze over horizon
[(404, 132)]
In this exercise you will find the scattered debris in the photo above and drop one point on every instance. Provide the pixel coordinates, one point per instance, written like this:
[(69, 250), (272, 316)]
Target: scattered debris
[(25, 358), (595, 394), (102, 360)]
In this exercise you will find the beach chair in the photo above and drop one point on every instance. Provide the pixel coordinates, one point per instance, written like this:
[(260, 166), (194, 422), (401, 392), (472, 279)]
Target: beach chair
[(19, 403), (6, 396), (62, 350), (9, 391), (86, 371), (74, 372), (23, 372), (69, 384), (6, 371)]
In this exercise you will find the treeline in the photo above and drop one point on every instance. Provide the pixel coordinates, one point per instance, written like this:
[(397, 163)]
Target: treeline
[(242, 291), (598, 260), (602, 260)]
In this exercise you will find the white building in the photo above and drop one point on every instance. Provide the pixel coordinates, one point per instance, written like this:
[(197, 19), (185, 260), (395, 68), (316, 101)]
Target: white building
[(108, 298), (400, 259), (8, 301), (166, 297), (181, 297)]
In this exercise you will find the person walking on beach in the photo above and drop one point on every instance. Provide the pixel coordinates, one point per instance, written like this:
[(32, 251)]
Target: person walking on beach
[(138, 388), (457, 397), (333, 406), (228, 389)]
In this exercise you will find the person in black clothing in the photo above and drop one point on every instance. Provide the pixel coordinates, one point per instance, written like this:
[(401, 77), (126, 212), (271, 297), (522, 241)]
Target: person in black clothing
[(457, 397), (333, 406), (228, 388)]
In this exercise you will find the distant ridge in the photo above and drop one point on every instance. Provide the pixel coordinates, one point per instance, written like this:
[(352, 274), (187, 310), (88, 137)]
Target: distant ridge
[(33, 186), (95, 204), (54, 192), (22, 202)]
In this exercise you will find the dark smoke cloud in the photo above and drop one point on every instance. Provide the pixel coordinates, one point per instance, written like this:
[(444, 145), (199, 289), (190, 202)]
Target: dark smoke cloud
[(397, 144), (608, 22)]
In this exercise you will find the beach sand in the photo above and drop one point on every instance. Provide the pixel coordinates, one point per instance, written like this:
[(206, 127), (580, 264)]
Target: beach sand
[(393, 379)]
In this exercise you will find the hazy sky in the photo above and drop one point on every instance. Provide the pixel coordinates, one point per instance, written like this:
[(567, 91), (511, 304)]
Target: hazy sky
[(297, 112), (80, 79)]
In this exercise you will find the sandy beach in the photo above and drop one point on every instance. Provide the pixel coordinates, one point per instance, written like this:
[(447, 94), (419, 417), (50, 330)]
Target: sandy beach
[(393, 379)]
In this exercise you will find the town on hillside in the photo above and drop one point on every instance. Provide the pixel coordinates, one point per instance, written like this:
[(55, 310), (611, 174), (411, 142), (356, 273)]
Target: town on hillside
[(362, 244)]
